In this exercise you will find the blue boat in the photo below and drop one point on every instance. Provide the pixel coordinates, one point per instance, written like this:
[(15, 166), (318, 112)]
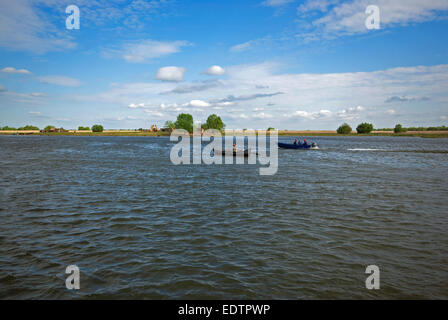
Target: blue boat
[(297, 146)]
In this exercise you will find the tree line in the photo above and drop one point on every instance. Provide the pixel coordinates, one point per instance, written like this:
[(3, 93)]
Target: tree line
[(95, 128), (185, 121), (365, 128)]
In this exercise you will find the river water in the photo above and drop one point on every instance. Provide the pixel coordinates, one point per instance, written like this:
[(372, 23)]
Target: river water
[(139, 227)]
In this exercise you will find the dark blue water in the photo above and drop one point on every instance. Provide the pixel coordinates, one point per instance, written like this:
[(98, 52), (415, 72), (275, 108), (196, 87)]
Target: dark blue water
[(139, 227)]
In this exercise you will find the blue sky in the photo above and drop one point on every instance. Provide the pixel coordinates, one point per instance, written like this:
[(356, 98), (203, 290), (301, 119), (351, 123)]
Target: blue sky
[(282, 63)]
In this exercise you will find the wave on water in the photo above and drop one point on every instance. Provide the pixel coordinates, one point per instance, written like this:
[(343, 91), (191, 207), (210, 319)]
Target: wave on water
[(366, 149), (404, 151)]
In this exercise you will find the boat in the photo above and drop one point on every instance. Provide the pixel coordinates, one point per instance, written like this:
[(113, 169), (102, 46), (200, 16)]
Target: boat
[(241, 153), (297, 146)]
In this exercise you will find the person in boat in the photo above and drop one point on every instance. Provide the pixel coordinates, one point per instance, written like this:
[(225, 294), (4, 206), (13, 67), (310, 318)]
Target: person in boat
[(234, 147), (296, 142), (305, 143)]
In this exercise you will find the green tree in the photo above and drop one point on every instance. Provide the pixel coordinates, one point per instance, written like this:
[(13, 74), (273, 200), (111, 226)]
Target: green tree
[(48, 128), (214, 122), (28, 127), (170, 125), (184, 121), (364, 128), (344, 129), (8, 128), (398, 129), (83, 128), (97, 128), (271, 129)]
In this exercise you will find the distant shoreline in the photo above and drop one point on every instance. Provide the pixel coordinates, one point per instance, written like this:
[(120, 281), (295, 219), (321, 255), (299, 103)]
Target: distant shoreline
[(124, 133)]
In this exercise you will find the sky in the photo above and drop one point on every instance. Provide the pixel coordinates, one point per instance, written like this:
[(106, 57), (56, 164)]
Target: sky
[(257, 63)]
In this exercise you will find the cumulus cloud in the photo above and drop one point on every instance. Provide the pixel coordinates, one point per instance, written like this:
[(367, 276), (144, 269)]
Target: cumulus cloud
[(60, 81), (225, 104), (135, 106), (312, 115), (215, 71), (175, 74), (327, 99), (15, 71), (351, 113), (198, 104)]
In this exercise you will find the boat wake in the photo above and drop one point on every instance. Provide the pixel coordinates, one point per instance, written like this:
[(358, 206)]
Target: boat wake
[(366, 149)]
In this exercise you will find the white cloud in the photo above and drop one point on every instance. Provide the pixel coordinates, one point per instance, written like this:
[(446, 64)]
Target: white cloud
[(225, 104), (135, 106), (127, 118), (154, 113), (37, 94), (242, 46), (262, 115), (275, 3), (60, 81), (320, 100), (391, 111), (315, 5), (24, 27), (144, 50), (198, 104), (14, 70), (215, 71), (345, 114), (34, 113), (3, 89), (351, 113), (175, 74), (348, 18)]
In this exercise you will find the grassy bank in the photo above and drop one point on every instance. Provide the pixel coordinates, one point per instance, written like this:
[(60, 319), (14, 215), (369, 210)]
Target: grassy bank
[(89, 133), (306, 133)]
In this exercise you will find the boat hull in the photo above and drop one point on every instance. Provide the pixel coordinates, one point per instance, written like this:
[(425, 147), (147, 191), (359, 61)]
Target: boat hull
[(241, 153), (294, 146)]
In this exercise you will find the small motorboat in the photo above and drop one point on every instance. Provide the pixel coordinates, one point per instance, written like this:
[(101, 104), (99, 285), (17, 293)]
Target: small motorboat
[(239, 153), (298, 146)]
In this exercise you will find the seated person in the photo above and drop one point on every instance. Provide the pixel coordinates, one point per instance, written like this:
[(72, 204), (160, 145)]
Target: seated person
[(304, 142), (296, 142)]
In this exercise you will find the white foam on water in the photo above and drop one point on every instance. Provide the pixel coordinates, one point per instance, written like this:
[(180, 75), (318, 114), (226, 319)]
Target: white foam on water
[(361, 149)]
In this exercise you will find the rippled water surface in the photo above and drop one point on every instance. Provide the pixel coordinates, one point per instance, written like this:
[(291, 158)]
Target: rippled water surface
[(139, 227)]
